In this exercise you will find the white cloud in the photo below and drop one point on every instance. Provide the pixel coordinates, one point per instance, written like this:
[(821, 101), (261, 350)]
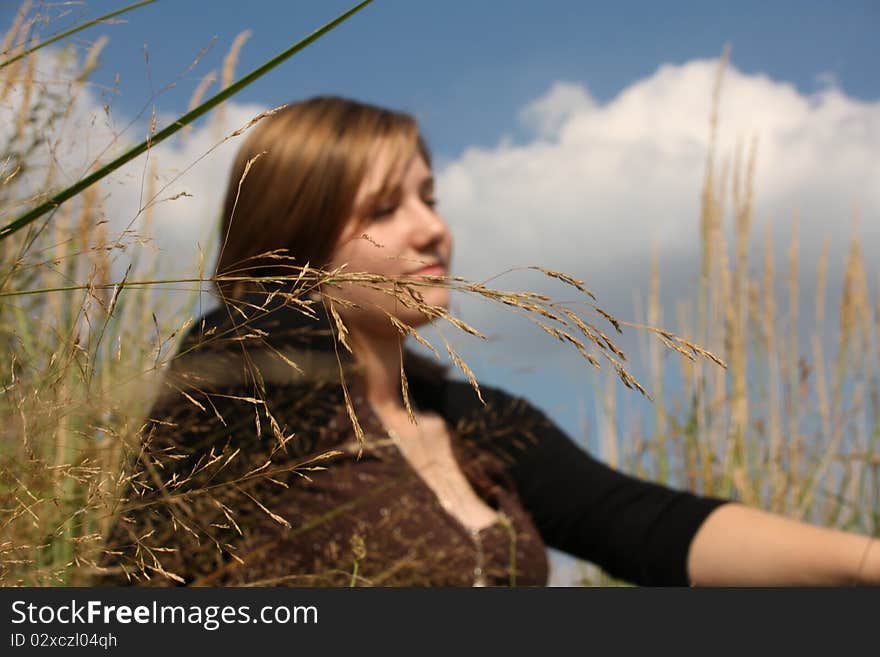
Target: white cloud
[(565, 99), (600, 185), (190, 184), (595, 189), (192, 171)]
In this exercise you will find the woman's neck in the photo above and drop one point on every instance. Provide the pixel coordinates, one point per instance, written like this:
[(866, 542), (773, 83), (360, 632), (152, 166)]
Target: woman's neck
[(378, 357)]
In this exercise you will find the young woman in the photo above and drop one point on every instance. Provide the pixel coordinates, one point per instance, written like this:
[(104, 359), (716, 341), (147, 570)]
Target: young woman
[(253, 470)]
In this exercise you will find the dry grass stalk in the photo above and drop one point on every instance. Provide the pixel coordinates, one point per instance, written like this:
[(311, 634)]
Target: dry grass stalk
[(655, 318), (792, 356), (227, 71), (610, 435), (13, 43), (196, 99), (737, 326), (794, 441), (767, 317)]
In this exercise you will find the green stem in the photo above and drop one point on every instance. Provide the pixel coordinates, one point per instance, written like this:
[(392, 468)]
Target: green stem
[(74, 30), (351, 277), (169, 130)]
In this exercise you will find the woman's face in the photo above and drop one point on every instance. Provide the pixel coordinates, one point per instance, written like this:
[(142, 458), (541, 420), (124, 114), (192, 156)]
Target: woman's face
[(403, 233)]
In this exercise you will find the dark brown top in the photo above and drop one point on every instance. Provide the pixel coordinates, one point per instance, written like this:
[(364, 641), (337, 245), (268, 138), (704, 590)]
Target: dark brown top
[(371, 496), (408, 537), (255, 476)]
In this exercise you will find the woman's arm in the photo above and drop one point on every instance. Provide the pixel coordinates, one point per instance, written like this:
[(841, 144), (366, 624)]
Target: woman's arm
[(650, 534), (741, 546), (635, 530)]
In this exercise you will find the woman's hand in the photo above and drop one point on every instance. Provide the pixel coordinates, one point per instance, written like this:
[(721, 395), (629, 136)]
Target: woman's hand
[(741, 546)]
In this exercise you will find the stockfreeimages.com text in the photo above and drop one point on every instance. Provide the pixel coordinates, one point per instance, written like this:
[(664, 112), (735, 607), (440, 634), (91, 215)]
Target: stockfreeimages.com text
[(211, 617)]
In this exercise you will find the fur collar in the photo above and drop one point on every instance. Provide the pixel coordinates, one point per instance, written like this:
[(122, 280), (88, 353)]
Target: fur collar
[(285, 343)]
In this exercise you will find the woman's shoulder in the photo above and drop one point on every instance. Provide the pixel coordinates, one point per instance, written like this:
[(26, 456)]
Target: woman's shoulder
[(497, 420), (462, 398), (245, 356)]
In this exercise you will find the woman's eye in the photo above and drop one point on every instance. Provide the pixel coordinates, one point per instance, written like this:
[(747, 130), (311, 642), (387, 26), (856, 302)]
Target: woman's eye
[(431, 202), (384, 211)]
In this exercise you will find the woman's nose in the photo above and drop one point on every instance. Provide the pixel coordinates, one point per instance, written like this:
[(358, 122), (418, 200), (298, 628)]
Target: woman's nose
[(430, 226)]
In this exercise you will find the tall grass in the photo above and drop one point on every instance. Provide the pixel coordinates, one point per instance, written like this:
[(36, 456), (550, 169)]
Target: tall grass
[(793, 424), (84, 351), (85, 348)]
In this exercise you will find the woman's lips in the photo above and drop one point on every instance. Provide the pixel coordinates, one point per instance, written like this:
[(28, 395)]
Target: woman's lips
[(434, 270)]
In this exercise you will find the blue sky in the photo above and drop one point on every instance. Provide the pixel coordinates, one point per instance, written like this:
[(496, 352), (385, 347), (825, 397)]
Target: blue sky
[(561, 130), (465, 67)]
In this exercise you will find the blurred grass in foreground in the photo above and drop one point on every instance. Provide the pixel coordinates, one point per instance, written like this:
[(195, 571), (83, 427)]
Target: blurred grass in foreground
[(85, 348)]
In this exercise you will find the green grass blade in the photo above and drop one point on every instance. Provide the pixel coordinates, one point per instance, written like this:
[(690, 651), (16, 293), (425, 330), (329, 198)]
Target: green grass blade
[(74, 30), (169, 130)]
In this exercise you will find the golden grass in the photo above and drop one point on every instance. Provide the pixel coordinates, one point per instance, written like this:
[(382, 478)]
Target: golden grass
[(86, 351), (802, 438)]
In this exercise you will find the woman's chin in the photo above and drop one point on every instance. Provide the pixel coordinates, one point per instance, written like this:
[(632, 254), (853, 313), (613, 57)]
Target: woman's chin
[(437, 296), (432, 297)]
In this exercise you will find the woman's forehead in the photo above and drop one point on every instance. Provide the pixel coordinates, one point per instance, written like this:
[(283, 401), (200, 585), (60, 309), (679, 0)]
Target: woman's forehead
[(384, 174)]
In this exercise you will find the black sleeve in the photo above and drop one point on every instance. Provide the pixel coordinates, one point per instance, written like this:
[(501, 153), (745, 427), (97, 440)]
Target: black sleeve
[(635, 530)]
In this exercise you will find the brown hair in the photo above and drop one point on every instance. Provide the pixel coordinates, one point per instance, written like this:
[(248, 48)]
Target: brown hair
[(293, 186), (294, 181)]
